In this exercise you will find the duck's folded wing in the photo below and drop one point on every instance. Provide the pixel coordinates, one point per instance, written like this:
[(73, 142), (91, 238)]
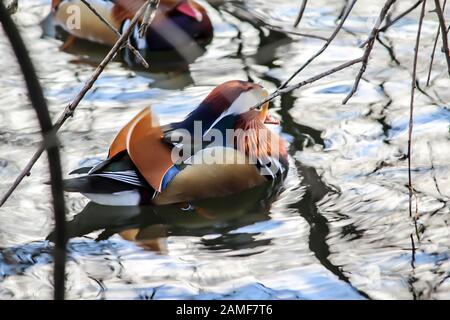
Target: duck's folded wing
[(130, 177), (142, 140), (81, 170), (119, 168), (96, 185)]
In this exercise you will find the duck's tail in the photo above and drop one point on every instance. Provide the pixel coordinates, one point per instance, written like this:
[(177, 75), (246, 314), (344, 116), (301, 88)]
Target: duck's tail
[(105, 191), (95, 184)]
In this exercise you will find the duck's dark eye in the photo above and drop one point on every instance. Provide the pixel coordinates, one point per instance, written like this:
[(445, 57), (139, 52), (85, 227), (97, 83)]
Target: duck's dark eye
[(258, 107)]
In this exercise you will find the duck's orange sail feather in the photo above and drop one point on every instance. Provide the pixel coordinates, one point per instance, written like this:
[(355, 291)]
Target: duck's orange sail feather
[(142, 139), (119, 143)]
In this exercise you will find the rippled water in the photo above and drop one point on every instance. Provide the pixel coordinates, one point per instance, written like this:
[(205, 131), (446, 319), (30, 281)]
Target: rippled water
[(337, 229)]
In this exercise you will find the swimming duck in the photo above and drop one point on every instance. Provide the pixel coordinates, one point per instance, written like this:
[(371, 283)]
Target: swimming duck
[(222, 147), (176, 23)]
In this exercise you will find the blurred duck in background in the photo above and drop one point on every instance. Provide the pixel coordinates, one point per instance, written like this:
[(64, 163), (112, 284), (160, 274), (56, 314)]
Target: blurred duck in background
[(177, 23)]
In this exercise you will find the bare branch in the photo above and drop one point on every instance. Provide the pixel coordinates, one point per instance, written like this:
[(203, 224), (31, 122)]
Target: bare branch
[(68, 111), (394, 21), (295, 33), (37, 99), (256, 19), (149, 15), (400, 16), (370, 42), (321, 50), (443, 33), (438, 32), (300, 13), (411, 105), (307, 81), (110, 26)]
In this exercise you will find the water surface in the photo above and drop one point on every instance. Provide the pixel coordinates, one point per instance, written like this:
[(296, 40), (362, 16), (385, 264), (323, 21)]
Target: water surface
[(337, 229)]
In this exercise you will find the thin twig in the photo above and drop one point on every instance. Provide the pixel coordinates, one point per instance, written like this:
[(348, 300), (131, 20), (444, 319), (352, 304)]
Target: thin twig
[(389, 49), (436, 38), (307, 81), (433, 169), (416, 212), (438, 32), (295, 33), (341, 13), (300, 13), (394, 21), (327, 43), (68, 111), (368, 50), (400, 16), (443, 33), (110, 26), (413, 252), (411, 105), (258, 21), (149, 14)]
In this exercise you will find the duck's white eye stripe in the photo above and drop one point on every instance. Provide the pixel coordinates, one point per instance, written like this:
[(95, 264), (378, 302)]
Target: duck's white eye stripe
[(245, 102)]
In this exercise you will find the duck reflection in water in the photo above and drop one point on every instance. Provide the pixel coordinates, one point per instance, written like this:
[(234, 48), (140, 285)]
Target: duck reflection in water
[(150, 226)]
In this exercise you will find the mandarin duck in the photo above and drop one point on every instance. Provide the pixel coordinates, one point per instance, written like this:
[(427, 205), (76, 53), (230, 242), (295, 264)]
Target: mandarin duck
[(224, 146), (177, 23)]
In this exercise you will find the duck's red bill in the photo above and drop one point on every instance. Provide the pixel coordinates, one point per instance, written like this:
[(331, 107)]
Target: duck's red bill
[(271, 120)]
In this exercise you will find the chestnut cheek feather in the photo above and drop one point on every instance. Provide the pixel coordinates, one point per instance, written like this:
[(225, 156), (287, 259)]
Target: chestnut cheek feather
[(256, 140)]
